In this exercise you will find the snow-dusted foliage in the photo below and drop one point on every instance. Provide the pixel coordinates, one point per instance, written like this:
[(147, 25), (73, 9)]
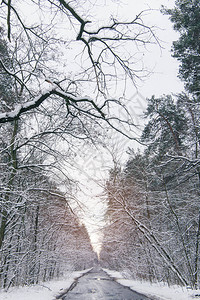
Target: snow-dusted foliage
[(153, 204), (40, 236)]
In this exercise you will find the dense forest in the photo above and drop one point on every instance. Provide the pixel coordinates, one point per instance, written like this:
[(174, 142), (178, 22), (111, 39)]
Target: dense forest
[(153, 211), (64, 74), (40, 236), (53, 54)]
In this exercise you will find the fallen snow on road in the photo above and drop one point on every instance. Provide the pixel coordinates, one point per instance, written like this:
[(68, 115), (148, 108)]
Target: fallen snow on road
[(157, 291), (49, 290), (43, 291)]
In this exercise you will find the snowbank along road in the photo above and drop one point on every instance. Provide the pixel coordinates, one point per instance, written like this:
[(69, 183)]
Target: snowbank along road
[(97, 285)]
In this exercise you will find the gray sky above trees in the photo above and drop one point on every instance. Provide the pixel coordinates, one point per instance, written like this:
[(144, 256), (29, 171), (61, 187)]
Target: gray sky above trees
[(93, 164), (161, 80), (162, 67)]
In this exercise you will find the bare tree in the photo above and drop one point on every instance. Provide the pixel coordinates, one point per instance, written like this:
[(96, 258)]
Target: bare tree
[(102, 58), (52, 62)]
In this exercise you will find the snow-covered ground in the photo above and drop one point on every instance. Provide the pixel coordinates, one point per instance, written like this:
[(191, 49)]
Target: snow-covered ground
[(44, 291), (49, 290), (157, 291)]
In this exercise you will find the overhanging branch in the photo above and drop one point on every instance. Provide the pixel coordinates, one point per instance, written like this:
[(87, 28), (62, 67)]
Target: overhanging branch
[(28, 106)]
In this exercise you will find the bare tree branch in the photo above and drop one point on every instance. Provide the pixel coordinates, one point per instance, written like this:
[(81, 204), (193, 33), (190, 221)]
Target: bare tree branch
[(20, 109), (8, 19)]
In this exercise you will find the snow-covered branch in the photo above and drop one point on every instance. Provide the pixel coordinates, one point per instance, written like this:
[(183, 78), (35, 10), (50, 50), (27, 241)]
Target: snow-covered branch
[(37, 101)]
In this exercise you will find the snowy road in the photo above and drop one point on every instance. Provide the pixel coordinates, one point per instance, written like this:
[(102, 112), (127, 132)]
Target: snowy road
[(97, 285)]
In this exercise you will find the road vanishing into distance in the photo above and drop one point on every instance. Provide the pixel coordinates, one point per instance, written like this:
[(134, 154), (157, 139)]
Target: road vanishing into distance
[(97, 285)]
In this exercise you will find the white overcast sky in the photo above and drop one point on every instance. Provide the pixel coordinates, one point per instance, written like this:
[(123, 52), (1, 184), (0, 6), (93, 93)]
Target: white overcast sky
[(165, 68), (163, 80), (94, 164)]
